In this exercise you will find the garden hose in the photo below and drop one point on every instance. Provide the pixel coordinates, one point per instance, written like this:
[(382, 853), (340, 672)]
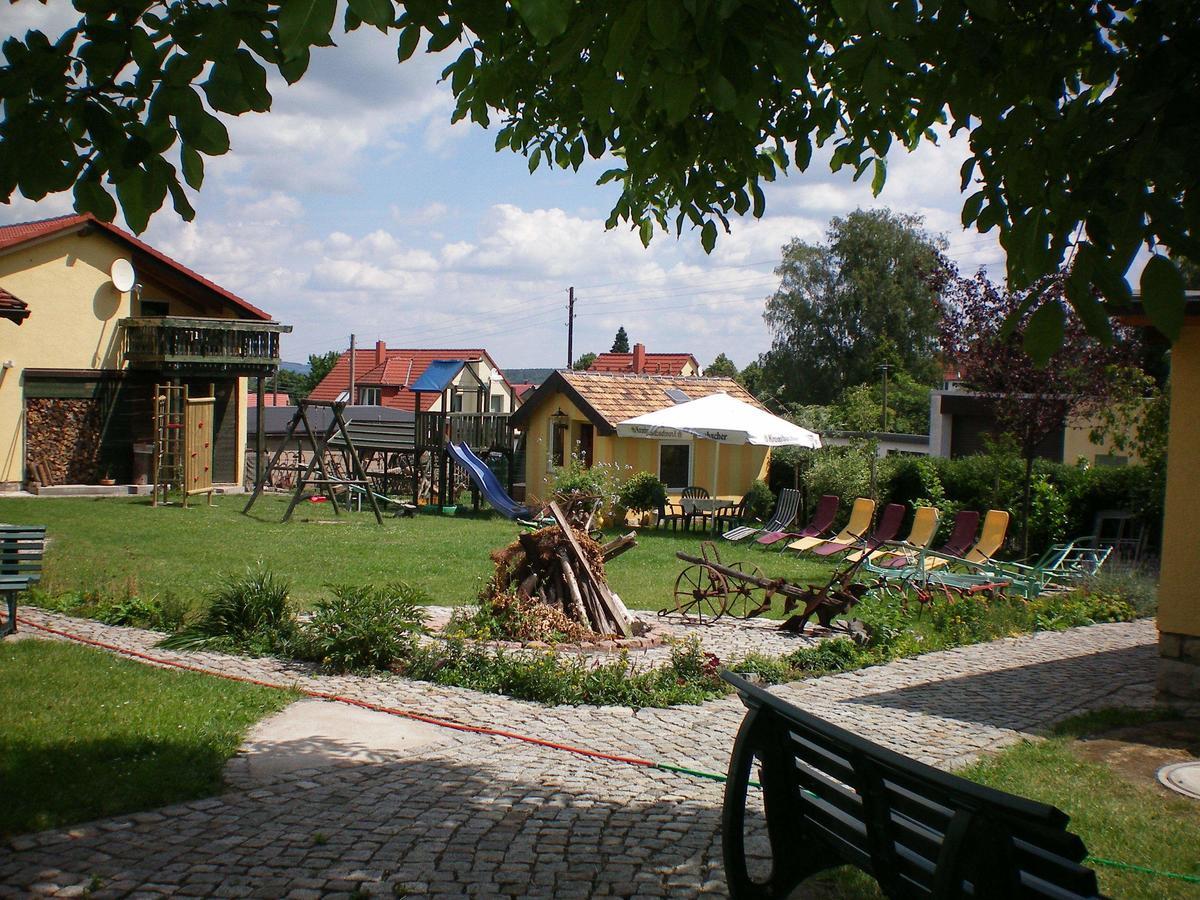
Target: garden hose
[(493, 732)]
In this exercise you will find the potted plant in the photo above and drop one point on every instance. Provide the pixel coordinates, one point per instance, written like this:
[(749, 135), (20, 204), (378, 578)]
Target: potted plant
[(643, 493)]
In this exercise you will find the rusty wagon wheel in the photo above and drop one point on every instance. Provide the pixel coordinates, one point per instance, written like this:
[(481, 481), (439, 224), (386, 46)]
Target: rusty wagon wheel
[(744, 596), (702, 592)]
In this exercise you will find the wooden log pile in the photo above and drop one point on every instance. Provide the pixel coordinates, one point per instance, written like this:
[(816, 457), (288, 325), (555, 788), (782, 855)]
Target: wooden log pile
[(562, 568), (62, 440)]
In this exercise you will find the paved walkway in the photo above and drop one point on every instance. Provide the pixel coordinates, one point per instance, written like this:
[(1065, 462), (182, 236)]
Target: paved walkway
[(479, 815)]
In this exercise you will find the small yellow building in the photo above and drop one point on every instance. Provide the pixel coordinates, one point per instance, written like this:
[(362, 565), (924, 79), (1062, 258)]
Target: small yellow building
[(105, 317), (578, 412)]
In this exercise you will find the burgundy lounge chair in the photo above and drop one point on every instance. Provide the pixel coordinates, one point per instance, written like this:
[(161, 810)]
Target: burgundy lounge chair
[(821, 522)]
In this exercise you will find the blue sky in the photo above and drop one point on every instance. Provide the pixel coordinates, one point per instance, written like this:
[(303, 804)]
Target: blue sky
[(354, 206)]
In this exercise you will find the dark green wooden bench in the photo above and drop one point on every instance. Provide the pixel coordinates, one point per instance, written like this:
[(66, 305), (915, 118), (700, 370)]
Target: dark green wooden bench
[(21, 549), (832, 798)]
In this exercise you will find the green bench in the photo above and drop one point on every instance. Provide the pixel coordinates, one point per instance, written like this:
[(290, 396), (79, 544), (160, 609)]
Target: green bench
[(21, 549)]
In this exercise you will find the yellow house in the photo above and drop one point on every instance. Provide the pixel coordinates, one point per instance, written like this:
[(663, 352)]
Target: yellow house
[(106, 317), (577, 413), (1179, 576)]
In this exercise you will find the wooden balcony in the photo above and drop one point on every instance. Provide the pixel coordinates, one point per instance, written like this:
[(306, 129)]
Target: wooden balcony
[(479, 431), (201, 346)]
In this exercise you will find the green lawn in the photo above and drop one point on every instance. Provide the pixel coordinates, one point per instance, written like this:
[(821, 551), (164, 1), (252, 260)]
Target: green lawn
[(116, 544), (87, 734)]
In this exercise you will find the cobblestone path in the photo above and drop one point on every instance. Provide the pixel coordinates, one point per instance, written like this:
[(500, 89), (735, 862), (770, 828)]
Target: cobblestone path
[(477, 815)]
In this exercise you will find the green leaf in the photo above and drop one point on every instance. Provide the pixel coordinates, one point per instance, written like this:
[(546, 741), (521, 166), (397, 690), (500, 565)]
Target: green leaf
[(546, 19), (1163, 296), (224, 90), (293, 69), (180, 201), (708, 236), (132, 191), (852, 11), (91, 197), (664, 18), (193, 166), (676, 95), (535, 159), (204, 132), (1087, 306), (621, 37), (410, 37), (254, 81), (970, 210), (303, 23), (380, 13), (1044, 333), (760, 201), (880, 176), (646, 231), (464, 68)]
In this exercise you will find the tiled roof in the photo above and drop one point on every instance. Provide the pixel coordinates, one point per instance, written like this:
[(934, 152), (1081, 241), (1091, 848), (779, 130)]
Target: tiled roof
[(400, 369), (12, 236), (609, 398), (656, 363), (12, 307)]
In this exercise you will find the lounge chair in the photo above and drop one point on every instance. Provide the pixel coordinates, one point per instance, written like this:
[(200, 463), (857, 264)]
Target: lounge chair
[(1061, 567), (886, 530), (962, 538), (924, 527), (821, 522), (786, 508), (861, 514), (921, 535), (991, 537)]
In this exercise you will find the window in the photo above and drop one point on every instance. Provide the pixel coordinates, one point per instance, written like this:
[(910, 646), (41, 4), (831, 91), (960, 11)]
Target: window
[(558, 443), (497, 401), (675, 465), (369, 396), (585, 444), (456, 402), (155, 308)]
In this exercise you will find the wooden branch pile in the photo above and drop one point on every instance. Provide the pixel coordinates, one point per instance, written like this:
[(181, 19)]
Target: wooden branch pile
[(562, 568)]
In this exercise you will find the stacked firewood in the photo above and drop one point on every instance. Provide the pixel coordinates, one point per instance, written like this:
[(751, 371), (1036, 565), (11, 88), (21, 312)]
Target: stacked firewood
[(563, 568), (63, 440)]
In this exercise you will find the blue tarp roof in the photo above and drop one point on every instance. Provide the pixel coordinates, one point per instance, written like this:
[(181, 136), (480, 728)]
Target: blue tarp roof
[(439, 375)]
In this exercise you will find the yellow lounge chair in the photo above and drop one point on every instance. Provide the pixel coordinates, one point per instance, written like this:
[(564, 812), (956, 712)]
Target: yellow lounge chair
[(924, 527), (991, 538), (860, 520)]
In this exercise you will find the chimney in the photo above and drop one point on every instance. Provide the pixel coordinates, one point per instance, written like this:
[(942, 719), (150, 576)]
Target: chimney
[(380, 353), (639, 359)]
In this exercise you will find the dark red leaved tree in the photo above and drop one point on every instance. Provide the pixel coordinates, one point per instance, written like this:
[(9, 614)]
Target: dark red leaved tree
[(1030, 402)]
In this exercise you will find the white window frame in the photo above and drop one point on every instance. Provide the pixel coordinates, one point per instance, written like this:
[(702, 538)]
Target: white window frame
[(370, 396), (691, 462)]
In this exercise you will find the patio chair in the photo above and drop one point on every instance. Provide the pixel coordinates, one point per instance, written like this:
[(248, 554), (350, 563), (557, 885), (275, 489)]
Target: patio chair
[(886, 529), (690, 512), (861, 514), (962, 538), (731, 514), (821, 522), (669, 513), (991, 537), (786, 508), (924, 526)]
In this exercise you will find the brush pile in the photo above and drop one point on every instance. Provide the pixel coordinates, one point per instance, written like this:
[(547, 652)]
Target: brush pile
[(562, 569)]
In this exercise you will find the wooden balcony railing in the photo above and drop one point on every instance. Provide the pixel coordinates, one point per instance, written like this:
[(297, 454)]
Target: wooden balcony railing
[(174, 344), (479, 431)]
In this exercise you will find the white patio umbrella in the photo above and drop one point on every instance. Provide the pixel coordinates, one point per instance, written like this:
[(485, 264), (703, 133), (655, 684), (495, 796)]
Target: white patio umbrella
[(722, 419)]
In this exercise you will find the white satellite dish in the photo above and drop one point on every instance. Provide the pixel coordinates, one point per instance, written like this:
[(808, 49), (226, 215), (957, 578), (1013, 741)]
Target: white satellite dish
[(122, 274)]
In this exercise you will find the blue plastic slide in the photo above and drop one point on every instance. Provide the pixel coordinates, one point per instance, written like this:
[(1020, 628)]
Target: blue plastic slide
[(486, 481)]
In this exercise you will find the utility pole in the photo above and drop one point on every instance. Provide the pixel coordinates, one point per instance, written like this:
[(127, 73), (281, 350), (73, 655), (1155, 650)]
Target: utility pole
[(350, 397), (884, 368), (570, 327)]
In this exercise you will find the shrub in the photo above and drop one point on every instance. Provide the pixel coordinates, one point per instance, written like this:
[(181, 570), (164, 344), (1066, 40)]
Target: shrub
[(643, 492), (1056, 612), (833, 655), (509, 616), (843, 472), (363, 626), (250, 614), (759, 501)]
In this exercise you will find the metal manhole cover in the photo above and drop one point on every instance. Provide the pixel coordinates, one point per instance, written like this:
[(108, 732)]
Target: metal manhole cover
[(1183, 778)]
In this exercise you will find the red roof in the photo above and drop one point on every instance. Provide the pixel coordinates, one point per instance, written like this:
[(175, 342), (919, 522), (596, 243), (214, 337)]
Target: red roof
[(399, 369), (12, 307), (270, 398), (656, 363), (12, 236)]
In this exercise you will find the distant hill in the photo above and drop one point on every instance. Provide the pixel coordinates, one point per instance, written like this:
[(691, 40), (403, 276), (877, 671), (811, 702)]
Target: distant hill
[(298, 368), (527, 376)]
